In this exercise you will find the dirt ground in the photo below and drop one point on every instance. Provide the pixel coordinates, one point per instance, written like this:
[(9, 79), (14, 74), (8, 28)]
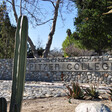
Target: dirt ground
[(58, 104)]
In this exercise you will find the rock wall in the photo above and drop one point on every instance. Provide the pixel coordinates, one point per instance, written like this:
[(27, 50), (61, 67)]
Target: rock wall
[(95, 69)]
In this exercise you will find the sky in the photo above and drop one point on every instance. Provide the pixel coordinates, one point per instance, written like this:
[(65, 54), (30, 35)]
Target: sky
[(40, 33)]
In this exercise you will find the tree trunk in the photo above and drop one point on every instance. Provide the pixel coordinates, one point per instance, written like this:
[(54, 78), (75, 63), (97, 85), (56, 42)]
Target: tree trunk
[(50, 37), (29, 40), (33, 48)]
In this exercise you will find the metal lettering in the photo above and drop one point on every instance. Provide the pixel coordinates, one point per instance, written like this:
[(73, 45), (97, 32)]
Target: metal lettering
[(57, 67), (50, 67), (69, 66), (77, 66), (105, 66), (97, 66)]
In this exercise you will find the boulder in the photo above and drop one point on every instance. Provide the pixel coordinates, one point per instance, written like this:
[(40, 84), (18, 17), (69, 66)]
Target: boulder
[(92, 107)]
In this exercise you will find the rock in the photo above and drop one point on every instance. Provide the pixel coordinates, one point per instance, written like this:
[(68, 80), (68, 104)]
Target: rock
[(57, 95), (48, 95), (92, 107)]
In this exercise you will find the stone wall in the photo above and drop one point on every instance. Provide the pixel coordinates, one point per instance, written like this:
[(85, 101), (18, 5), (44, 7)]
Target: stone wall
[(60, 69)]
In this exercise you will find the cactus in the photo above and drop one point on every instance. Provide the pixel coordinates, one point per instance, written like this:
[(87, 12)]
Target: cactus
[(3, 105), (19, 64)]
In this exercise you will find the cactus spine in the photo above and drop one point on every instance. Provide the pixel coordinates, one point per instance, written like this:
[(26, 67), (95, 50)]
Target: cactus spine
[(19, 64), (3, 105)]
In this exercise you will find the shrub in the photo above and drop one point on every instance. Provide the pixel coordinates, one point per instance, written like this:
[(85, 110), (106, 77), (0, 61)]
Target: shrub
[(92, 92), (75, 92)]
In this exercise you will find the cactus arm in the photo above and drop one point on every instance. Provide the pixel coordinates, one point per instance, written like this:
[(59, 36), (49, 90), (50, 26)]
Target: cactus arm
[(19, 65), (22, 61), (3, 105)]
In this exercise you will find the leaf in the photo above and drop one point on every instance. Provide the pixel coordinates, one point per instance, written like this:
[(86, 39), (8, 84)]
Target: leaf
[(70, 90), (92, 92), (110, 7), (109, 12)]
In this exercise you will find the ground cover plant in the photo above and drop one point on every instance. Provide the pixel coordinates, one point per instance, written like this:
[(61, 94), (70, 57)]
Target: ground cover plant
[(92, 92), (75, 92)]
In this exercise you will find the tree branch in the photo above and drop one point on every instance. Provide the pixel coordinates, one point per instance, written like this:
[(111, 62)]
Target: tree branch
[(29, 40), (36, 18), (51, 2), (31, 15), (14, 10), (20, 7), (50, 37)]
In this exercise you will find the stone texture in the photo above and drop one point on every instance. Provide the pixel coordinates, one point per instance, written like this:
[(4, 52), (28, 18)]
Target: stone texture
[(92, 107), (81, 77), (34, 89)]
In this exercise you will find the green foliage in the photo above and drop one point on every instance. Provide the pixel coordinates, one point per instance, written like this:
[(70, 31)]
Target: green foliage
[(68, 32), (68, 41), (3, 105), (93, 27), (39, 51), (72, 46), (92, 92), (76, 92), (7, 32), (19, 64), (71, 41)]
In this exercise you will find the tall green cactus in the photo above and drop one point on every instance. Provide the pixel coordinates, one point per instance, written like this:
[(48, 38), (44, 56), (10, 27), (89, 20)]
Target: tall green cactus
[(19, 64), (3, 105)]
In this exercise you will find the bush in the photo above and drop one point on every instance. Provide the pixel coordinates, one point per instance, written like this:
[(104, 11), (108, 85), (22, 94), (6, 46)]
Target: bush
[(92, 92), (71, 51), (75, 92)]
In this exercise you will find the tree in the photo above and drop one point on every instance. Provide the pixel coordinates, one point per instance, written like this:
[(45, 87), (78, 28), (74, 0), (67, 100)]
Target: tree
[(66, 43), (36, 15), (94, 28), (39, 50), (71, 42), (68, 32), (7, 34), (50, 37)]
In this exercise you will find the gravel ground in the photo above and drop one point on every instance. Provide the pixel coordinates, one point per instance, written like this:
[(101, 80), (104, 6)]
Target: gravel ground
[(56, 104), (49, 97)]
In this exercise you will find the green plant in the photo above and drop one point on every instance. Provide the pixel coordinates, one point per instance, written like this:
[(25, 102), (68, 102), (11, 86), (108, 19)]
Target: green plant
[(75, 92), (94, 28), (19, 64), (92, 92), (3, 105), (19, 67)]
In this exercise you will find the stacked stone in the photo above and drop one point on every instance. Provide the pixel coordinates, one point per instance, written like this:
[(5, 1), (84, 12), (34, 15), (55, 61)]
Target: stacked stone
[(5, 69), (34, 90), (43, 89), (67, 76)]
